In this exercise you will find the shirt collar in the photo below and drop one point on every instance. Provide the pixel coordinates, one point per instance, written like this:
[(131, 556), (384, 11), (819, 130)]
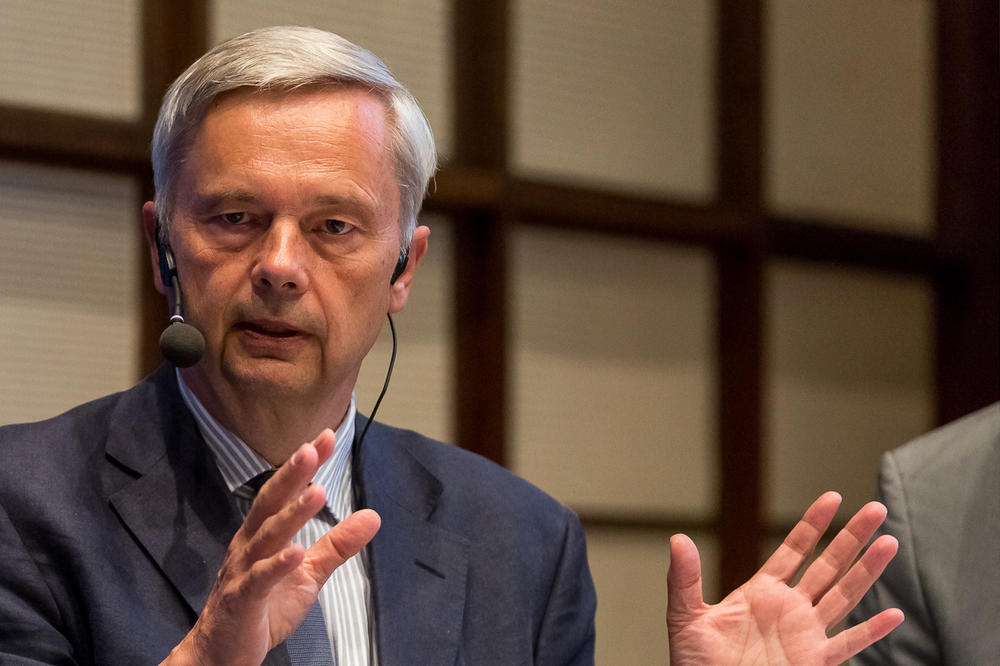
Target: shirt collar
[(238, 463)]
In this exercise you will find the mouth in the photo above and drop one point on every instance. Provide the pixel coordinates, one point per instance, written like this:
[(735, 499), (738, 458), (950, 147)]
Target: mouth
[(269, 329)]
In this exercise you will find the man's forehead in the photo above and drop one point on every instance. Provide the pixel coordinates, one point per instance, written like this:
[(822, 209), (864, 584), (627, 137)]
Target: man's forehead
[(311, 119), (288, 96)]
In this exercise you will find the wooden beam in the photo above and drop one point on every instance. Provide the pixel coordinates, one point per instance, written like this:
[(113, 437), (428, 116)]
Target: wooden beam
[(175, 34), (587, 209), (480, 334), (816, 241), (740, 342), (64, 139), (739, 304), (968, 206), (739, 117), (479, 34), (544, 203), (479, 31), (458, 190)]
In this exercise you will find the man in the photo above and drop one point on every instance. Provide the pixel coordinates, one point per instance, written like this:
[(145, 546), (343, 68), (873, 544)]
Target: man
[(290, 167), (941, 490)]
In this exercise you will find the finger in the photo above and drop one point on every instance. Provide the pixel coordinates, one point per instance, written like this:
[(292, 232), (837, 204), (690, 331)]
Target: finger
[(684, 595), (851, 641), (840, 554), (801, 541), (845, 595), (277, 530), (341, 542), (289, 481), (268, 572), (324, 444)]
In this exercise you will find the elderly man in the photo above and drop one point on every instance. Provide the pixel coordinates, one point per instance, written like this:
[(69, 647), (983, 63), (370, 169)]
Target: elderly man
[(184, 521)]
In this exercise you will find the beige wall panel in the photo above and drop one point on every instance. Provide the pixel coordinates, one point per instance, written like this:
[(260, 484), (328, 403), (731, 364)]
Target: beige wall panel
[(849, 130), (612, 392), (420, 392), (78, 56), (411, 36), (615, 94), (69, 269), (630, 575), (850, 376)]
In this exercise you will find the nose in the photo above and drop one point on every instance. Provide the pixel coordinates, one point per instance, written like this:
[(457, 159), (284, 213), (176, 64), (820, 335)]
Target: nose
[(281, 263)]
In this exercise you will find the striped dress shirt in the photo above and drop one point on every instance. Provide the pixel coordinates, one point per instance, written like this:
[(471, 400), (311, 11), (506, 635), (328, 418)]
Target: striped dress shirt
[(346, 596)]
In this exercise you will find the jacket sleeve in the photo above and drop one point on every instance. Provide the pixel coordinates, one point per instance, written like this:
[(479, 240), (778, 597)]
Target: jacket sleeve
[(29, 615), (915, 641), (567, 633)]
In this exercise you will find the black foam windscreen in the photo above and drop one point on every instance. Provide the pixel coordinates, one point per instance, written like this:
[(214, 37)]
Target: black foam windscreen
[(182, 344)]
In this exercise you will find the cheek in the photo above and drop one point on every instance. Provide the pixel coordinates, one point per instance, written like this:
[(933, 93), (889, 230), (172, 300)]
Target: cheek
[(370, 303), (211, 296), (358, 284), (354, 308)]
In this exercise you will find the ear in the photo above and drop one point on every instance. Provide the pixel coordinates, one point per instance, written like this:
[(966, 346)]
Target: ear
[(399, 291), (150, 227)]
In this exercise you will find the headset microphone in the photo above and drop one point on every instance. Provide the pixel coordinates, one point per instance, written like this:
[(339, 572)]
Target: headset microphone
[(180, 343)]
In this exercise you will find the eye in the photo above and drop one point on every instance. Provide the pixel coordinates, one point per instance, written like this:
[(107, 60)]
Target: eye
[(234, 218), (337, 226)]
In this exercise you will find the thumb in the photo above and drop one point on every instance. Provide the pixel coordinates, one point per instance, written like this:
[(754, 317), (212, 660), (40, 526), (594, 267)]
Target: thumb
[(342, 542), (683, 580)]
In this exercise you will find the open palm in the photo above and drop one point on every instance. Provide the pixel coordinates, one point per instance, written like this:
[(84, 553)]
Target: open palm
[(768, 620)]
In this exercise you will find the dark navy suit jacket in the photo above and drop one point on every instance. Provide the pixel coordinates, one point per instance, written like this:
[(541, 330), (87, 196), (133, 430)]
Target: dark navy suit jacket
[(114, 521)]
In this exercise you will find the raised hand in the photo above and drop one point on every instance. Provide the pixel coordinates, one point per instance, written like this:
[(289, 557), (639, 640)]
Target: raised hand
[(267, 583), (770, 621)]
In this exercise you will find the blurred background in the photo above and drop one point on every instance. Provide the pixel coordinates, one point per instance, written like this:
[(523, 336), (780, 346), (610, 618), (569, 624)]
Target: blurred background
[(692, 262)]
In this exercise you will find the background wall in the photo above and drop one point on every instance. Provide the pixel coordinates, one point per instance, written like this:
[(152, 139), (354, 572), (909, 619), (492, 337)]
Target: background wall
[(692, 262)]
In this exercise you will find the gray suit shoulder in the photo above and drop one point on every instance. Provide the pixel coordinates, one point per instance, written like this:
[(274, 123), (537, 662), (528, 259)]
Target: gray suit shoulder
[(940, 490), (962, 444)]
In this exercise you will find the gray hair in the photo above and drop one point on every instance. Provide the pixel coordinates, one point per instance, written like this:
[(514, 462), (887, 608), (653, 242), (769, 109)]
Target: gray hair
[(285, 59)]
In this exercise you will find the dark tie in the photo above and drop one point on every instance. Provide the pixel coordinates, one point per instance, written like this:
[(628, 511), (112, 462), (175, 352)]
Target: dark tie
[(309, 644)]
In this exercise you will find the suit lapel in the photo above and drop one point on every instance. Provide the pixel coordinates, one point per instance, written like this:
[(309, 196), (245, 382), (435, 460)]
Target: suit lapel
[(176, 504), (418, 569)]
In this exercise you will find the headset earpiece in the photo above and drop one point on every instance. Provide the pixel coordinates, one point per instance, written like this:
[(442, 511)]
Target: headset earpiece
[(404, 257), (168, 268)]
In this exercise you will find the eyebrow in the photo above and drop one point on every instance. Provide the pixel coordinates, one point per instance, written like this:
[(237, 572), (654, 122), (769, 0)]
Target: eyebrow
[(351, 199), (210, 200)]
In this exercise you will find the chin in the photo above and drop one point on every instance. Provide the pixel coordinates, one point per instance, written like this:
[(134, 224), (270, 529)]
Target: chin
[(271, 375)]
